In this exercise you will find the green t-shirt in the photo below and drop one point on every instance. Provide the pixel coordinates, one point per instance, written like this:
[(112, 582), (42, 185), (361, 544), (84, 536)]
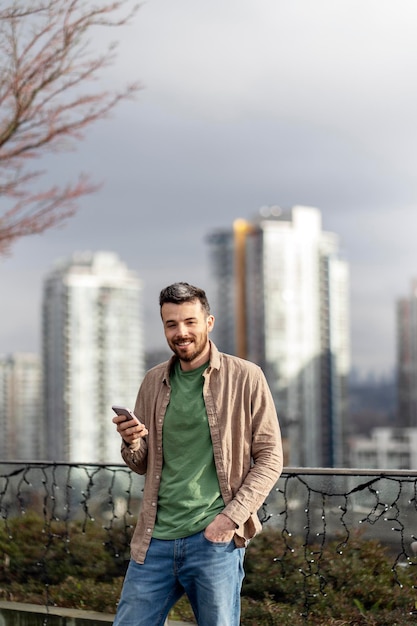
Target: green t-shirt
[(189, 493)]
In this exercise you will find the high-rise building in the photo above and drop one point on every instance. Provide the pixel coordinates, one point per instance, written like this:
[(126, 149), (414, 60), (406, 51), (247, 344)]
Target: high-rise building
[(93, 354), (386, 448), (407, 358), (21, 413), (281, 300)]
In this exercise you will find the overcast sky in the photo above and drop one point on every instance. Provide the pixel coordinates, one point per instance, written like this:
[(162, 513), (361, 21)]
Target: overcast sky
[(247, 103)]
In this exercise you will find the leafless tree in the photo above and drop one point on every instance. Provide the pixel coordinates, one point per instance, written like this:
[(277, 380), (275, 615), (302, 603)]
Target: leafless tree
[(49, 96)]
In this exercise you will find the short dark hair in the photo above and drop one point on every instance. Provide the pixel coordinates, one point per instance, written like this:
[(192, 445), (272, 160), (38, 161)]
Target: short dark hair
[(178, 293)]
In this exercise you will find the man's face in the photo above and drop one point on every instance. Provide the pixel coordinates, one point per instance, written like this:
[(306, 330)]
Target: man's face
[(186, 328)]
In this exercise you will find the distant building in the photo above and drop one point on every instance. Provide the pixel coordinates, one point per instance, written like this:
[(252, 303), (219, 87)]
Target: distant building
[(372, 403), (93, 354), (21, 411), (281, 300), (407, 358), (386, 448)]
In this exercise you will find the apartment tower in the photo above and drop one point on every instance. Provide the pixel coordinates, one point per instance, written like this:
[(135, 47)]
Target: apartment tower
[(92, 352), (407, 358), (281, 300), (21, 413)]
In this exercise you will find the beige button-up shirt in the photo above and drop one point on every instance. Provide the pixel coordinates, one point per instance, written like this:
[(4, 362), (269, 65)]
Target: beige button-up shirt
[(245, 435)]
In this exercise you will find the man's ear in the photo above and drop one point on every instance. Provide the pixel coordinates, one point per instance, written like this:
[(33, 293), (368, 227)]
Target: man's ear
[(210, 323)]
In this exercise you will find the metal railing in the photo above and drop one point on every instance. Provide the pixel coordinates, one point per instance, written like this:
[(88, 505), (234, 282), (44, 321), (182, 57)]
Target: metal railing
[(313, 505)]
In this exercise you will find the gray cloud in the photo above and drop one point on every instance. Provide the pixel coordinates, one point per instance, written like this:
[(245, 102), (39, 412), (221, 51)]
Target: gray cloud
[(247, 103)]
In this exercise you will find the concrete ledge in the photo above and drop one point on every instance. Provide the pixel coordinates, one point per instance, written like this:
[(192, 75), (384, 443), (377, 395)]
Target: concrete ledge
[(69, 617)]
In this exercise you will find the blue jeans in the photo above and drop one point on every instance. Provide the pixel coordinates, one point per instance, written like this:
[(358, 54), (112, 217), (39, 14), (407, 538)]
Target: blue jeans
[(211, 575)]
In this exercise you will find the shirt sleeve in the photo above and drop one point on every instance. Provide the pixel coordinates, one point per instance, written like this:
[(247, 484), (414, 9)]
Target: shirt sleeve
[(266, 453), (135, 455)]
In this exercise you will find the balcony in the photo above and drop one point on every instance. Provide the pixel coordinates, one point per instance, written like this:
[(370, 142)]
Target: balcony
[(309, 509)]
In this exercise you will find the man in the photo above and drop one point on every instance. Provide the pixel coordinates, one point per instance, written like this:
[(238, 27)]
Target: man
[(209, 443)]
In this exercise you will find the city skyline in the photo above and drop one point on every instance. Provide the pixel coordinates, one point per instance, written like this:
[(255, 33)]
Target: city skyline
[(244, 105)]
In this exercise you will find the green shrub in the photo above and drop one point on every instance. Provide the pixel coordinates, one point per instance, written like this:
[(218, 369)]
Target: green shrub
[(30, 549), (87, 594), (287, 583), (359, 585)]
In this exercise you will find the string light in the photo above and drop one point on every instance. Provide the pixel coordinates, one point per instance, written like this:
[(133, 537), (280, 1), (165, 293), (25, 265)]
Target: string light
[(310, 511)]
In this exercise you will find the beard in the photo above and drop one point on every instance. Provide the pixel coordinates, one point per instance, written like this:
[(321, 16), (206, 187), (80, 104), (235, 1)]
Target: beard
[(187, 358), (196, 348)]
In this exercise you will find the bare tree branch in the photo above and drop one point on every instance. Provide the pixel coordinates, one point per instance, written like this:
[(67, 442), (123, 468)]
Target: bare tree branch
[(48, 99)]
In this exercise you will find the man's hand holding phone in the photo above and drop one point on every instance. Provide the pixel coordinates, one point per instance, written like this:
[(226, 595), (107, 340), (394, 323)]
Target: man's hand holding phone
[(128, 425)]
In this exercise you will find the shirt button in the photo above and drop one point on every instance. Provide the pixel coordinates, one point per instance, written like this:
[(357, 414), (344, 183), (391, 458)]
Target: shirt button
[(153, 503), (148, 530), (157, 477)]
